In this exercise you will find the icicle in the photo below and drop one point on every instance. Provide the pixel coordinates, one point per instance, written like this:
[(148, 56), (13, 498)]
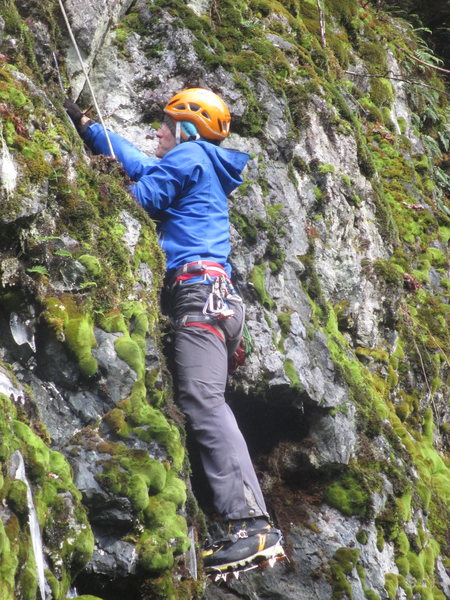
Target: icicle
[(21, 331), (18, 468), (8, 171), (191, 557)]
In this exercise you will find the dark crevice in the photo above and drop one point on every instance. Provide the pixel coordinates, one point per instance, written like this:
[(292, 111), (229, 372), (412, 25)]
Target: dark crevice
[(265, 422)]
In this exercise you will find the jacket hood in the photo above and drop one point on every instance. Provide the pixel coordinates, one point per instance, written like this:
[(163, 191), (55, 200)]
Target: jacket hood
[(228, 164)]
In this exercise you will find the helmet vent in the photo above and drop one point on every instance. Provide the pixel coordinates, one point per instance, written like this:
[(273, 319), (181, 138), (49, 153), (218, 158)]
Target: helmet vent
[(205, 109)]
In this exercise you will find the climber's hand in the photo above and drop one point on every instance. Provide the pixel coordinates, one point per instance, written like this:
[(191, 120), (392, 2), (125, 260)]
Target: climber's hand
[(77, 116), (74, 112)]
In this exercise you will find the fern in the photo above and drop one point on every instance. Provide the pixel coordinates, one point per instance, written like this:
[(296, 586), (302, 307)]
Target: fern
[(38, 269), (444, 132), (424, 52), (46, 238), (432, 146), (442, 179), (87, 284)]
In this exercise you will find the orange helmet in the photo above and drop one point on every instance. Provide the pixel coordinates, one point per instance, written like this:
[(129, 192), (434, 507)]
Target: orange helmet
[(205, 109)]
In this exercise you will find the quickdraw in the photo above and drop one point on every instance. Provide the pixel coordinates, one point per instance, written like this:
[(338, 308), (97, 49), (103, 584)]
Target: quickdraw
[(216, 304)]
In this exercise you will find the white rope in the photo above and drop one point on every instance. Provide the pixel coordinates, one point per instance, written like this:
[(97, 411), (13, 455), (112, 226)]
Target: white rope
[(72, 37)]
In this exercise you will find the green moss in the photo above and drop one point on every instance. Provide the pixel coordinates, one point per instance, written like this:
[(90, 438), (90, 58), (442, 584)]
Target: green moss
[(371, 595), (17, 497), (381, 93), (130, 351), (257, 280), (389, 272), (284, 321), (404, 506), (114, 322), (298, 98), (76, 328), (91, 263), (116, 420), (377, 354), (402, 543), (254, 117), (243, 224), (402, 123), (165, 537), (51, 482), (391, 585), (17, 27), (291, 372), (362, 536), (81, 339), (28, 582), (325, 168), (402, 565), (347, 495), (8, 566), (343, 563), (416, 566)]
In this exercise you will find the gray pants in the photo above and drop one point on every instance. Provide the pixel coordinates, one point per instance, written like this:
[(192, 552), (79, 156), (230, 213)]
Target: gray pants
[(201, 359)]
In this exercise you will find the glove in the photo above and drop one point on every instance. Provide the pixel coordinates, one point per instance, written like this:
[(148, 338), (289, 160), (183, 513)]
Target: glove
[(75, 113)]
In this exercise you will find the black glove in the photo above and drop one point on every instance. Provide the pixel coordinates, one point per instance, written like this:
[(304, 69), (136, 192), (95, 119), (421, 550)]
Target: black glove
[(75, 113)]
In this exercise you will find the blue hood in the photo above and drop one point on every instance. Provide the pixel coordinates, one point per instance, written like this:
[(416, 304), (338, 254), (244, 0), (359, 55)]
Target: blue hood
[(228, 164)]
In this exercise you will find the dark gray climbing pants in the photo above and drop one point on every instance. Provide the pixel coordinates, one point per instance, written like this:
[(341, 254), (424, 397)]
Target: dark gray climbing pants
[(201, 358)]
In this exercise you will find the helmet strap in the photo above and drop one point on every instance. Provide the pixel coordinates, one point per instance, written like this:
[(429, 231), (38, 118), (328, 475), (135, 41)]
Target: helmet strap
[(178, 132)]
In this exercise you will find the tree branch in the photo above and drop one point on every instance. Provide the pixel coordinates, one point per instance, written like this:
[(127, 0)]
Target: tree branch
[(395, 78), (422, 62)]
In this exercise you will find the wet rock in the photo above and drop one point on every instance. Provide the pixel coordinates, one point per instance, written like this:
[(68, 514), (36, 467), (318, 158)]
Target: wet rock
[(89, 27), (334, 438), (118, 378), (113, 559)]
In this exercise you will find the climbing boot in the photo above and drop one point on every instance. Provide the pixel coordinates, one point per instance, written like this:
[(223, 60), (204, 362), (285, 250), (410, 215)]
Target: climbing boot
[(250, 543)]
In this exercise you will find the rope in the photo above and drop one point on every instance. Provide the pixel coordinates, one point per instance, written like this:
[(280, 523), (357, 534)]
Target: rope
[(72, 37)]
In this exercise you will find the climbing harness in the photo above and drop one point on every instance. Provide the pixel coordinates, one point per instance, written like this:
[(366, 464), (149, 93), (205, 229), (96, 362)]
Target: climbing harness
[(216, 307), (72, 37), (200, 268), (222, 291)]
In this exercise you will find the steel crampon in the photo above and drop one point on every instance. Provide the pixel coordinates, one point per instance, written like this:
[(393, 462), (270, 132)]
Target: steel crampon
[(216, 576)]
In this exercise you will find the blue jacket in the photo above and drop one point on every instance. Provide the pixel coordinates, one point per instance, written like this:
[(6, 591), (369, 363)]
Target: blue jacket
[(185, 193)]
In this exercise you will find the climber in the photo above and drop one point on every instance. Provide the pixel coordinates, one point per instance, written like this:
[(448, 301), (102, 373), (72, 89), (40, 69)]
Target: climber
[(185, 191)]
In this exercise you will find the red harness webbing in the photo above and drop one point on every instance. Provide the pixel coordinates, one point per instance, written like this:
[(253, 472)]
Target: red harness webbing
[(196, 269), (206, 326)]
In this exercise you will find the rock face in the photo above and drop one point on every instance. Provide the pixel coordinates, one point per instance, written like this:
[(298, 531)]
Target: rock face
[(340, 248)]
